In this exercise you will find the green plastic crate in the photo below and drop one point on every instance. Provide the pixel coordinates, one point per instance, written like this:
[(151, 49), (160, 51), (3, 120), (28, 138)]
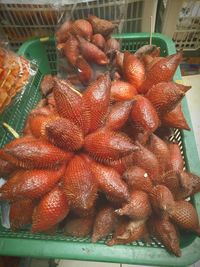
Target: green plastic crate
[(24, 243)]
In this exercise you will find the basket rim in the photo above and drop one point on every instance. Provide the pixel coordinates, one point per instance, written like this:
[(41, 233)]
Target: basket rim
[(120, 253)]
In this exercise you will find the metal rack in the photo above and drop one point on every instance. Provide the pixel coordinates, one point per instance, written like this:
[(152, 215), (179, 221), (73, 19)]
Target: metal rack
[(21, 20)]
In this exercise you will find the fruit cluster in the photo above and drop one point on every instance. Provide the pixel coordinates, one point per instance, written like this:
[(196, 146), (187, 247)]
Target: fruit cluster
[(100, 161)]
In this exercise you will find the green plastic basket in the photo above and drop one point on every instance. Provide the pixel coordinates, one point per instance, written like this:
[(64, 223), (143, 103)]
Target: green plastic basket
[(24, 243)]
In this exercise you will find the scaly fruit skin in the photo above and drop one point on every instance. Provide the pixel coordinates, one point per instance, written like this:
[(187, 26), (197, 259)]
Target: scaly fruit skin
[(64, 134), (175, 118), (6, 168), (162, 200), (71, 50), (146, 160), (176, 160), (37, 124), (181, 184), (119, 60), (152, 50), (82, 28), (120, 165), (27, 152), (79, 227), (104, 223), (63, 32), (105, 145), (69, 104), (185, 216), (84, 71), (143, 115), (79, 184), (164, 230), (91, 52), (162, 71), (51, 210), (101, 26), (122, 91), (138, 206), (160, 150), (31, 184), (96, 98), (111, 46), (137, 179), (47, 84), (98, 40), (21, 213), (118, 115), (109, 181), (133, 69), (128, 232), (165, 96)]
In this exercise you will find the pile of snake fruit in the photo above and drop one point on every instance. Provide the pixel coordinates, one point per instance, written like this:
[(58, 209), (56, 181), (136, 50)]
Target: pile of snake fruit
[(99, 162)]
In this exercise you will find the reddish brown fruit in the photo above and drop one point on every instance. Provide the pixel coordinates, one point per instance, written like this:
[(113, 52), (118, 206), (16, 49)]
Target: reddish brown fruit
[(71, 50), (63, 32), (98, 40), (91, 52), (96, 99), (160, 150), (118, 115), (84, 70), (165, 96), (134, 70), (111, 46), (37, 124), (164, 230), (175, 118), (104, 223), (28, 152), (52, 209), (79, 184), (64, 134), (21, 213), (101, 26), (82, 28), (105, 145), (128, 232), (79, 227), (176, 160), (47, 84), (144, 116), (137, 179), (122, 91), (30, 184), (185, 216), (162, 71), (181, 184), (6, 168), (119, 60), (138, 206), (120, 165), (161, 199), (70, 105), (152, 50), (109, 181), (146, 160)]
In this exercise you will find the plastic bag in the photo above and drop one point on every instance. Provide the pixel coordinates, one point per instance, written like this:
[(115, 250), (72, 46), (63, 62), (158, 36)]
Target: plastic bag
[(83, 71), (15, 73)]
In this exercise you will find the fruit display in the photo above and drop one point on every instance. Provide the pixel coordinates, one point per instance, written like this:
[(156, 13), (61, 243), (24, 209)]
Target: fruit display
[(14, 74), (99, 162)]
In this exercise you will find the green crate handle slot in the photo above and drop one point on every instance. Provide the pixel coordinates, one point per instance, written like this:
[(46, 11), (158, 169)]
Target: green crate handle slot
[(26, 244)]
